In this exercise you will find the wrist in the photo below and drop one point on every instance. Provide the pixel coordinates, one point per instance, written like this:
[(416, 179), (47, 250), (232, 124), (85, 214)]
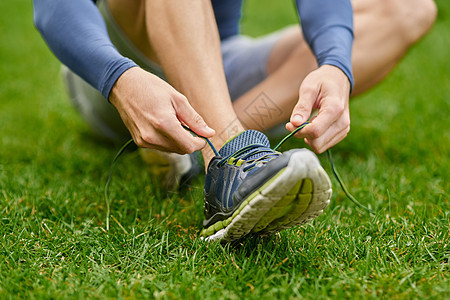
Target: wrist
[(121, 82), (339, 75)]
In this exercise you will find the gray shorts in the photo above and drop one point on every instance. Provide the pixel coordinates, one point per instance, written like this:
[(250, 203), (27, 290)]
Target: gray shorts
[(244, 58), (245, 61)]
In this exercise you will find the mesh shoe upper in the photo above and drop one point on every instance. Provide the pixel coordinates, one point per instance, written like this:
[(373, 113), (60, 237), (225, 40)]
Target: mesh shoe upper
[(227, 181)]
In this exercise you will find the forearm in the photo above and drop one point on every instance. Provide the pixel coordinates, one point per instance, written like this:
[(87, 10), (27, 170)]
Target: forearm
[(328, 29), (76, 34)]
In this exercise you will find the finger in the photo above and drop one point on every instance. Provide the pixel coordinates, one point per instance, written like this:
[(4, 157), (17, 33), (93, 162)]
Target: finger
[(174, 146), (186, 114), (157, 141), (166, 148), (188, 143), (299, 134), (182, 146), (337, 128), (335, 140), (167, 135), (328, 140), (289, 126), (304, 106), (328, 114)]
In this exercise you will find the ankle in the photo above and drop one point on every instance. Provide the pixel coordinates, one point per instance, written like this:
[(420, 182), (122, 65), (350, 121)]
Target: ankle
[(219, 140)]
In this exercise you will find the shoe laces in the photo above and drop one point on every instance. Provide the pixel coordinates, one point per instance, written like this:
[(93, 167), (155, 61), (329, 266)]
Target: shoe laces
[(242, 154), (250, 150), (253, 150), (245, 153)]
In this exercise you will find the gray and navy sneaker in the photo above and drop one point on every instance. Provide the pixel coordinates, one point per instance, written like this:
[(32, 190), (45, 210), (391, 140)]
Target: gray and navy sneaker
[(175, 170), (252, 189)]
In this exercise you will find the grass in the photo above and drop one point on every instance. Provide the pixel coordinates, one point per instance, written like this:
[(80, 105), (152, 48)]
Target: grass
[(52, 212)]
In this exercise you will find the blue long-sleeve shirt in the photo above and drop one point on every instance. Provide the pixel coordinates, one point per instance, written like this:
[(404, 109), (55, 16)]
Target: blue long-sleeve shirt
[(77, 35)]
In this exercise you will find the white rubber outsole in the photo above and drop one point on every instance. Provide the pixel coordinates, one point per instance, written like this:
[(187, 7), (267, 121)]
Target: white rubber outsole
[(302, 165), (170, 166)]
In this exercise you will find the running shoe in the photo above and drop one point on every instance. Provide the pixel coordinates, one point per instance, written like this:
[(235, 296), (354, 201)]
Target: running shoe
[(253, 189), (175, 170)]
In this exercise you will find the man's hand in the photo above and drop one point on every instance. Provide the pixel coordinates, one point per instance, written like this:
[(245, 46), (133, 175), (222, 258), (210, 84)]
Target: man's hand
[(328, 90), (153, 112)]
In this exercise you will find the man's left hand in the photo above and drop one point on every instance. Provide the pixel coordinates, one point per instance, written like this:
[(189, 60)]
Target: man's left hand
[(326, 89)]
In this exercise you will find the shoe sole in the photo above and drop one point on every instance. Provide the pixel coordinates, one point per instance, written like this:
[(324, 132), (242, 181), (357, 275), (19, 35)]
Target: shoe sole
[(170, 167), (297, 194)]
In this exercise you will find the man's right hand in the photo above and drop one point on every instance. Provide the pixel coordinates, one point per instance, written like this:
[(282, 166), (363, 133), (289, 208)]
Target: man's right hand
[(153, 112)]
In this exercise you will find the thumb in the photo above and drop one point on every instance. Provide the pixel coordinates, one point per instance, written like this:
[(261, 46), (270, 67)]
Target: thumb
[(187, 115), (304, 106)]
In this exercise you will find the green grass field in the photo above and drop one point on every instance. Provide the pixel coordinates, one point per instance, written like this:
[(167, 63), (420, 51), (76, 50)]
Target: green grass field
[(52, 212)]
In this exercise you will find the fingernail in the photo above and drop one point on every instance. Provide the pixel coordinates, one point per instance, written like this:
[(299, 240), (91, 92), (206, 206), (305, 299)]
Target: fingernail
[(297, 119), (210, 130)]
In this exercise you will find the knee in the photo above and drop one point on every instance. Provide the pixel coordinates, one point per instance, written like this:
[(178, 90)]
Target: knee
[(422, 17), (413, 18)]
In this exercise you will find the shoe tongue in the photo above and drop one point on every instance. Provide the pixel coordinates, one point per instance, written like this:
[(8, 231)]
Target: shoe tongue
[(246, 138)]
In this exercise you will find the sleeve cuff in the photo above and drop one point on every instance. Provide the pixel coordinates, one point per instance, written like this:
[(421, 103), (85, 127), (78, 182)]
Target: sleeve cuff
[(344, 68), (112, 73)]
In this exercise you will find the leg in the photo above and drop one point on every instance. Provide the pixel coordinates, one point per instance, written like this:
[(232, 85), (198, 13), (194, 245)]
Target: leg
[(241, 195), (384, 30), (105, 121), (161, 40), (272, 100)]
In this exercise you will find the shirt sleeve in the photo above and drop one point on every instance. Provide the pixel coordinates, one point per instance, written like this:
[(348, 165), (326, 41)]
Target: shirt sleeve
[(328, 29), (76, 33)]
